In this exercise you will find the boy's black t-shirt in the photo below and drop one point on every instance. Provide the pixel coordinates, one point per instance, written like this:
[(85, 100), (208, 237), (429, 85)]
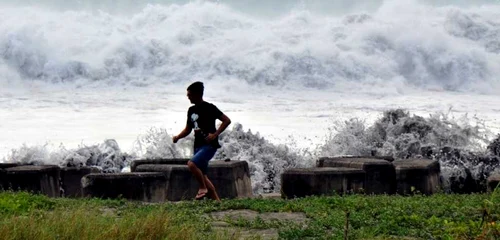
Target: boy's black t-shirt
[(201, 118)]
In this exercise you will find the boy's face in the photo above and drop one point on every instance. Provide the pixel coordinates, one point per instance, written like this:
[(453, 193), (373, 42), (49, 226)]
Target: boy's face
[(193, 97)]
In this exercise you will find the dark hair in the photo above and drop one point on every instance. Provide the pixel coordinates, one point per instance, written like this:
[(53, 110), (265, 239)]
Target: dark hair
[(196, 88)]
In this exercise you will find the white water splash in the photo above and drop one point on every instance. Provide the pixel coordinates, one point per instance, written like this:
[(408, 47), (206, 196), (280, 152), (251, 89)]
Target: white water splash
[(448, 48)]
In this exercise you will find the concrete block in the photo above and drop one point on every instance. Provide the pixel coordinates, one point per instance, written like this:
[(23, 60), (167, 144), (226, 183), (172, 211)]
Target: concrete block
[(421, 174), (71, 180), (165, 161), (301, 182), (380, 174), (387, 158), (36, 179), (181, 185), (493, 181), (147, 187), (3, 179), (9, 165), (230, 178)]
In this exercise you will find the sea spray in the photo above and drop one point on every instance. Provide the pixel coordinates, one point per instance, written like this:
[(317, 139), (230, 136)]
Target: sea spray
[(157, 143), (107, 156), (462, 147), (402, 135), (458, 144), (494, 146), (266, 160)]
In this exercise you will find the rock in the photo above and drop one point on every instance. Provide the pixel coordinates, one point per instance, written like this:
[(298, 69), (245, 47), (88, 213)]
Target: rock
[(249, 215), (36, 179), (147, 187), (380, 175), (71, 180), (301, 182), (420, 175), (220, 225), (244, 234), (230, 178)]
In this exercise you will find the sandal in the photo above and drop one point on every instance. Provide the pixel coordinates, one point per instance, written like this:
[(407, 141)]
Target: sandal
[(201, 195)]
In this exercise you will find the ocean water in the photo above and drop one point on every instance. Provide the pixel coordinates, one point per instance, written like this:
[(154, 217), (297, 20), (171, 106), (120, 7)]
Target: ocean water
[(103, 82)]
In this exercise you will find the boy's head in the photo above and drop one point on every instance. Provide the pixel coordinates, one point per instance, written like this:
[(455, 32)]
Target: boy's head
[(195, 92)]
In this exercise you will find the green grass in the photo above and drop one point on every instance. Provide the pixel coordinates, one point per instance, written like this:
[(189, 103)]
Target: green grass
[(441, 216)]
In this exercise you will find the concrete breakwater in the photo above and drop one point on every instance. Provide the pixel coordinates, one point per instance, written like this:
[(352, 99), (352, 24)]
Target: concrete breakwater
[(161, 180), (150, 180), (363, 175)]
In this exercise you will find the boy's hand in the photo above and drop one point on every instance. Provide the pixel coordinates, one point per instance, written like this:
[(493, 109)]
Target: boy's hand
[(211, 137), (175, 139)]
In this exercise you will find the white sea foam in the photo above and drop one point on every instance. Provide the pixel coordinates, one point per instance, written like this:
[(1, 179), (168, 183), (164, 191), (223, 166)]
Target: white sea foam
[(424, 46)]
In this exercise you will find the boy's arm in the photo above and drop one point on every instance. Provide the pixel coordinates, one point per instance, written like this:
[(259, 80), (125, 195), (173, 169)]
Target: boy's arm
[(225, 122), (183, 134)]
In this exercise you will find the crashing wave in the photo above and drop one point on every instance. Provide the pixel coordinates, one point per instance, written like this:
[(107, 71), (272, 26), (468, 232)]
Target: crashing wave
[(459, 146), (452, 48)]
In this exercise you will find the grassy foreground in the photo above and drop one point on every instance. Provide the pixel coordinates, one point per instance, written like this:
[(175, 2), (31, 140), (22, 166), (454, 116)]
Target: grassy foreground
[(26, 216)]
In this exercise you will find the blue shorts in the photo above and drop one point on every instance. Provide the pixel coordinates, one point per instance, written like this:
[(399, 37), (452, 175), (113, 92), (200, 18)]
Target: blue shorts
[(201, 157)]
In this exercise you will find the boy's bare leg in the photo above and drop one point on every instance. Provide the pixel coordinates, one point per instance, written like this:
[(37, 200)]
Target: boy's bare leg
[(199, 177), (211, 189)]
